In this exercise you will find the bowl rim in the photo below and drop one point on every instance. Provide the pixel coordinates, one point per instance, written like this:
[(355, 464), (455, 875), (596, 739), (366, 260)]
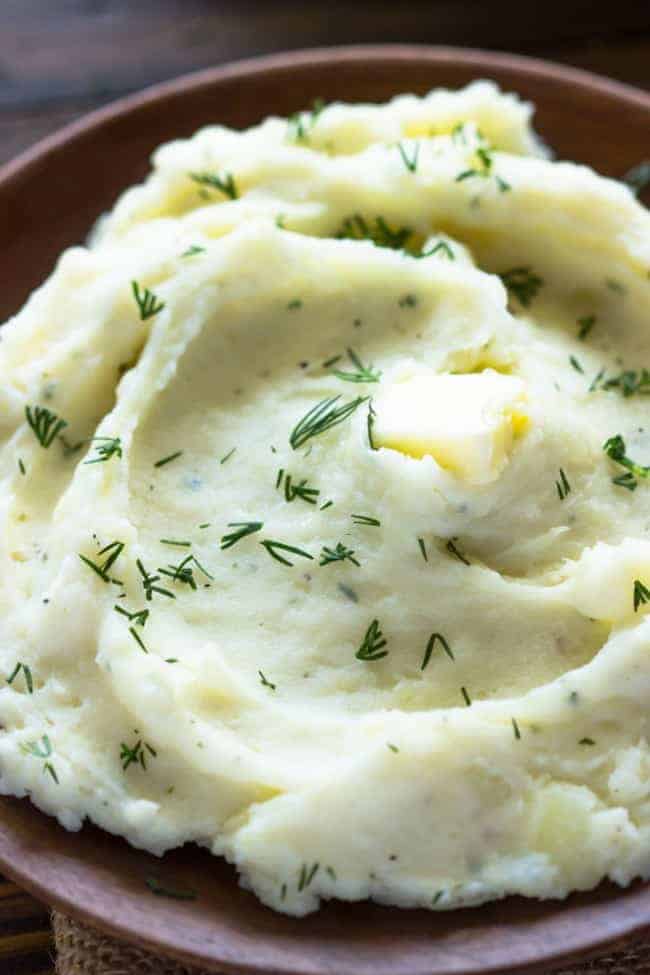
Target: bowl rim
[(19, 168)]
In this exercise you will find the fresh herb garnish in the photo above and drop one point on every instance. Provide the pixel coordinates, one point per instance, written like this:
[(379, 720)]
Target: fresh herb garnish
[(407, 301), (370, 425), (307, 875), (300, 490), (108, 447), (226, 457), (138, 639), (168, 459), (147, 302), (372, 644), (264, 682), (392, 747), (586, 741), (576, 365), (193, 250), (135, 755), (629, 382), (41, 749), (412, 162), (45, 425), (294, 304), (172, 541), (523, 283), (515, 728), (586, 324), (149, 583), (361, 373), (626, 480), (112, 551), (273, 548), (641, 594), (423, 549), (379, 232), (453, 550), (441, 247), (300, 124), (467, 699), (563, 487), (615, 450), (321, 418), (483, 169), (243, 528), (338, 554), (21, 466), (184, 571), (27, 674), (365, 520), (225, 184), (638, 177), (139, 616), (433, 639)]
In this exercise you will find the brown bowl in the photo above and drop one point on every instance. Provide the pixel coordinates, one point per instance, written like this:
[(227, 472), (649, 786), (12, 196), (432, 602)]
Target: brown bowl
[(49, 198)]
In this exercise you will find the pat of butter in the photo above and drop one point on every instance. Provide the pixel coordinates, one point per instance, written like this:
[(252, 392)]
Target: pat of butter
[(467, 423)]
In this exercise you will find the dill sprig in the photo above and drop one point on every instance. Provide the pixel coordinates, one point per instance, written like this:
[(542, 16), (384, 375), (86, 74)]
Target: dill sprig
[(466, 698), (168, 459), (139, 616), (483, 169), (366, 520), (615, 450), (423, 549), (322, 417), (379, 232), (453, 550), (586, 323), (27, 674), (576, 364), (46, 426), (361, 373), (149, 583), (339, 554), (225, 184), (638, 177), (243, 528), (433, 639), (108, 447), (112, 551), (641, 594), (515, 728), (136, 754), (147, 302), (441, 247), (307, 874), (193, 250), (274, 548), (184, 571), (563, 487), (629, 382), (372, 645), (41, 749), (300, 490), (300, 124), (226, 457), (138, 639), (523, 283), (412, 162), (264, 682)]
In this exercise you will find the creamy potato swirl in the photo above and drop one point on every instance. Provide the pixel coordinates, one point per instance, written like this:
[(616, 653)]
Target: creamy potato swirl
[(325, 516)]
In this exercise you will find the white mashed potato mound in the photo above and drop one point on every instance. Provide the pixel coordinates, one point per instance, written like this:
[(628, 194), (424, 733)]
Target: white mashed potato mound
[(325, 512)]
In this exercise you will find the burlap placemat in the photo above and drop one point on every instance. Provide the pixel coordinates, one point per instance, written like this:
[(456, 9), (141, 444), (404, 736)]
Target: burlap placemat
[(83, 951)]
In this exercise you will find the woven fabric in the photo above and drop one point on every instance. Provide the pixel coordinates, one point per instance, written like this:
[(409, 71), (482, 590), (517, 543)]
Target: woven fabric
[(84, 951)]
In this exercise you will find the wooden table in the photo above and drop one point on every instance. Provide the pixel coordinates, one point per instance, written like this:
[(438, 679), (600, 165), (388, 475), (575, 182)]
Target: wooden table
[(61, 58)]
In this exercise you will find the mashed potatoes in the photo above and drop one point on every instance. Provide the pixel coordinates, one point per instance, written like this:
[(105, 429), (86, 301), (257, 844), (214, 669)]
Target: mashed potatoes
[(325, 515)]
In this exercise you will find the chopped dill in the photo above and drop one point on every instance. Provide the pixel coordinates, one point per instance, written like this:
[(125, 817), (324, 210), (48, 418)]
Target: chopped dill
[(274, 548), (46, 426), (423, 549), (641, 594), (300, 124), (184, 571), (224, 184), (322, 417), (365, 520), (147, 302), (112, 551), (139, 616), (41, 749), (172, 541), (243, 528), (168, 459), (412, 162), (361, 373), (615, 450), (576, 365), (466, 698), (108, 447), (226, 457), (453, 550), (149, 583), (307, 874), (27, 674), (586, 323), (21, 466), (193, 250), (441, 247), (136, 754), (264, 682), (433, 639), (562, 486), (523, 283), (340, 554), (138, 639), (372, 644), (379, 232), (300, 490), (515, 728)]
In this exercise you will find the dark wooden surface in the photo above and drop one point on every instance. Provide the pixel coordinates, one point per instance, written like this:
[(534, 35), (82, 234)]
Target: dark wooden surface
[(62, 58)]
